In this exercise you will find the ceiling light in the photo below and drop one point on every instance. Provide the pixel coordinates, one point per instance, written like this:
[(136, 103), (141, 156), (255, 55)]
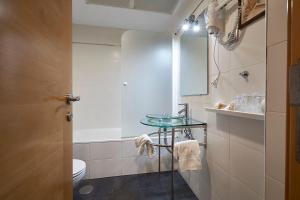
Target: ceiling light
[(186, 25)]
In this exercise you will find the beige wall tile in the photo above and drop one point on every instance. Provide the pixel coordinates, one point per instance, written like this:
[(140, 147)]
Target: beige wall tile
[(213, 51), (218, 124), (105, 150), (224, 92), (105, 168), (275, 145), (87, 174), (247, 165), (218, 150), (224, 59), (137, 165), (240, 191), (256, 83), (128, 149), (277, 78), (81, 151), (248, 132), (252, 49), (219, 182), (199, 183), (277, 21), (274, 189), (214, 196)]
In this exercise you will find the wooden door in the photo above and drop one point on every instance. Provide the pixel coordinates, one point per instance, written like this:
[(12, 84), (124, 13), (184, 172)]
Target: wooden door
[(293, 166), (35, 74)]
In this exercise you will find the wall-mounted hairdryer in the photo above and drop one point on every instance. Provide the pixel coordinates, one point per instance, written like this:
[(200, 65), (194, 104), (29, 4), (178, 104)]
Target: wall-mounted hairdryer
[(215, 22), (214, 19)]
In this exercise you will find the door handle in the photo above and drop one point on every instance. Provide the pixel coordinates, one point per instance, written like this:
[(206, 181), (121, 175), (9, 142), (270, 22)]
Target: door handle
[(70, 98)]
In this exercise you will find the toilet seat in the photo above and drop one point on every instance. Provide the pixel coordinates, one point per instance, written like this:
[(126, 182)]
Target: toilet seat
[(79, 170), (79, 167)]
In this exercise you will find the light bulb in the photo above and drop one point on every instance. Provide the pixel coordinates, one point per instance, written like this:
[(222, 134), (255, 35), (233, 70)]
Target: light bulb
[(196, 28), (185, 27)]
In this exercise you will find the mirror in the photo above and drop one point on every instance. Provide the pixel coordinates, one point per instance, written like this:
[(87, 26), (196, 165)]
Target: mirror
[(194, 61)]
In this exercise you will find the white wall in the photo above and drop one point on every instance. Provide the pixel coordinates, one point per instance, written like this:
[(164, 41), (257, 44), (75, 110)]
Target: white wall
[(236, 150), (97, 77), (276, 99), (147, 69)]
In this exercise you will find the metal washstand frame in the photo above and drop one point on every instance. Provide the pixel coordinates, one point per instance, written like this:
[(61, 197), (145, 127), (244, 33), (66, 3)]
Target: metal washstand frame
[(170, 147)]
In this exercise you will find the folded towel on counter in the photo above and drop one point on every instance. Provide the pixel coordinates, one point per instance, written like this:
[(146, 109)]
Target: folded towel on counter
[(144, 141), (188, 155)]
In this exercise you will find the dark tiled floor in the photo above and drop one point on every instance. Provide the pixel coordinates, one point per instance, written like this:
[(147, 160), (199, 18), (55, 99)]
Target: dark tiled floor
[(152, 186)]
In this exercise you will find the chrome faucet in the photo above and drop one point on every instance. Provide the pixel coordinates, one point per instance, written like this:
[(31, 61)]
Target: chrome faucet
[(185, 110)]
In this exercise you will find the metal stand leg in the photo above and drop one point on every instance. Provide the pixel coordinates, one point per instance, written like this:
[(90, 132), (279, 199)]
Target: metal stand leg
[(205, 136), (159, 132), (173, 137)]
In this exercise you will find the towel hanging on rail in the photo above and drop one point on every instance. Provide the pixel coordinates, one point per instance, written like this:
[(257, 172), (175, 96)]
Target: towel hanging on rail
[(188, 155), (144, 141)]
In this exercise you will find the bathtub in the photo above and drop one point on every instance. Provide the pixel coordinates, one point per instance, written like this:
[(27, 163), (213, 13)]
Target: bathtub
[(107, 154), (97, 135)]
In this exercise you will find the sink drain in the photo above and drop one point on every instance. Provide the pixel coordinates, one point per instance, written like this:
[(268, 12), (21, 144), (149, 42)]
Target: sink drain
[(85, 190)]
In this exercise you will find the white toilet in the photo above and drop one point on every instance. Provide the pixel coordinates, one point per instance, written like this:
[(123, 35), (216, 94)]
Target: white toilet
[(79, 170)]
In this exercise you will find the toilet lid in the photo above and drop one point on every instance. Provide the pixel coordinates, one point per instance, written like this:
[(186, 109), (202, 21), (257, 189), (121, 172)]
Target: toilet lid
[(78, 166)]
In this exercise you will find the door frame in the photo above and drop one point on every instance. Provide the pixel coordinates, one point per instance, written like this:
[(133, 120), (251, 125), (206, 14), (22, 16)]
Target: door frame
[(293, 51)]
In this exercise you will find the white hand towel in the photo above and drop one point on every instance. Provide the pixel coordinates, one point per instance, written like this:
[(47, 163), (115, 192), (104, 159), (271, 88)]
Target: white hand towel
[(141, 142), (188, 155)]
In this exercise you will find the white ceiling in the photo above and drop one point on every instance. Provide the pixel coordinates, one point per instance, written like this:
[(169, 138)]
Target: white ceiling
[(118, 15), (163, 6)]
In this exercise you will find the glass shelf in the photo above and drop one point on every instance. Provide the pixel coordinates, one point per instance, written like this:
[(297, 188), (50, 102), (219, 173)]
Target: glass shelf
[(256, 116), (171, 122)]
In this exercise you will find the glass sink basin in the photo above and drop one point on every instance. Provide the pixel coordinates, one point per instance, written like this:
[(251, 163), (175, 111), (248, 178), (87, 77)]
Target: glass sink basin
[(166, 119), (164, 116), (169, 121)]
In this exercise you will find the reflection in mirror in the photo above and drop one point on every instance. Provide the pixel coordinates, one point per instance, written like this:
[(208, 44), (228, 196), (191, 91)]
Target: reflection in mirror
[(194, 61)]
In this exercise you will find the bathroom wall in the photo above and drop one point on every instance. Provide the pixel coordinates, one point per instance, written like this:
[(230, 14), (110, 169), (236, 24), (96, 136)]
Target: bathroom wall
[(235, 151), (97, 77), (276, 99)]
